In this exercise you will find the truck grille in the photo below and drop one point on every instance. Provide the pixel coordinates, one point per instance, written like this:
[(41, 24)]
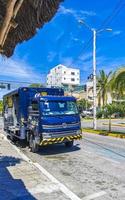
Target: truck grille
[(64, 125)]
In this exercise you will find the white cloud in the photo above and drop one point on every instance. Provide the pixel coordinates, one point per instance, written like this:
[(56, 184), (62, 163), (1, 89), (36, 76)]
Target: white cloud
[(77, 14), (115, 33), (81, 42), (85, 63), (51, 56), (76, 39), (67, 61), (87, 13), (63, 10), (60, 35), (86, 56), (16, 69)]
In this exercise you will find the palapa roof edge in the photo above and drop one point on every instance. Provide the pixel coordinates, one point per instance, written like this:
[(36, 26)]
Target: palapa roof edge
[(20, 19)]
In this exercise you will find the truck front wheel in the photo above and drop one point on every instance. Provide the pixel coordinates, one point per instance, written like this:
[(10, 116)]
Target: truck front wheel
[(69, 144), (12, 138), (33, 145)]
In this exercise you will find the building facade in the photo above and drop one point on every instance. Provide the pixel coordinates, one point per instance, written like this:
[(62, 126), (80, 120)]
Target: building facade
[(63, 76)]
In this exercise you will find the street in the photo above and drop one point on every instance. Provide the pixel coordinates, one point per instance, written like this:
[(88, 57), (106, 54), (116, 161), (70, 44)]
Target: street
[(102, 124), (92, 169), (93, 166)]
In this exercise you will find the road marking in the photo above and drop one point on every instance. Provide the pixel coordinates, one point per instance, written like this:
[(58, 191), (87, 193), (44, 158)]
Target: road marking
[(96, 195), (62, 187), (101, 156), (40, 188), (111, 160)]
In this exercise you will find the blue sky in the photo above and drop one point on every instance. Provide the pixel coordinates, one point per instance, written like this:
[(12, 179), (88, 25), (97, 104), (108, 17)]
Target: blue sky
[(63, 41)]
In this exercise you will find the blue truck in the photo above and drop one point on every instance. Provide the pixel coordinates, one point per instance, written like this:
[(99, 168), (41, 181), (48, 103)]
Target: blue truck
[(41, 116)]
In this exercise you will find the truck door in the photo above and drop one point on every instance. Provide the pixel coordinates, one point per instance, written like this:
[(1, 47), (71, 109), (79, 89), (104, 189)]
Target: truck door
[(33, 118)]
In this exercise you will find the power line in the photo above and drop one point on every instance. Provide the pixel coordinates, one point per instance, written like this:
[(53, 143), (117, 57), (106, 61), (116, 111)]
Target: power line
[(10, 81), (107, 20), (117, 13), (114, 13), (119, 6), (9, 72)]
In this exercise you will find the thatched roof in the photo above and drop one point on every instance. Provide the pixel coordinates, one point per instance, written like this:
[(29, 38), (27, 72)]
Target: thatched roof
[(20, 19)]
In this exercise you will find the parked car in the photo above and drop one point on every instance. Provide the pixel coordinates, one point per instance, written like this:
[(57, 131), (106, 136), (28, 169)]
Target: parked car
[(87, 113)]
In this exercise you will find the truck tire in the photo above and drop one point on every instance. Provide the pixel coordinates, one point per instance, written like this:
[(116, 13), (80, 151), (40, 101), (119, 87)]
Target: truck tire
[(13, 138), (33, 145), (69, 144)]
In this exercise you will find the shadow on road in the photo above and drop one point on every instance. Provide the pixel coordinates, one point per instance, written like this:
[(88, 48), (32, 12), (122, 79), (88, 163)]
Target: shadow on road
[(10, 188), (57, 149), (50, 149)]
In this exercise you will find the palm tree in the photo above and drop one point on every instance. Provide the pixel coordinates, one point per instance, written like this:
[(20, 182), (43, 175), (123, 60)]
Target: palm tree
[(118, 83), (103, 86)]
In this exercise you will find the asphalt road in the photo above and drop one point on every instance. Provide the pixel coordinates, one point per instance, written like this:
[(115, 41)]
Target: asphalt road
[(93, 168), (102, 124)]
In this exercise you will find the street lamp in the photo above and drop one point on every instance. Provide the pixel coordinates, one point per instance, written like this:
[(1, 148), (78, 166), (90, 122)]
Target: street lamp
[(95, 32)]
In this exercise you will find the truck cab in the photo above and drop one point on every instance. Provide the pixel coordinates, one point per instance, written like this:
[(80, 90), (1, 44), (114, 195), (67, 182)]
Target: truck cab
[(42, 116)]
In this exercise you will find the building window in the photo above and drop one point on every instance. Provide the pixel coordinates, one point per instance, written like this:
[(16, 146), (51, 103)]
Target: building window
[(72, 73), (64, 72), (64, 78), (72, 79), (77, 79)]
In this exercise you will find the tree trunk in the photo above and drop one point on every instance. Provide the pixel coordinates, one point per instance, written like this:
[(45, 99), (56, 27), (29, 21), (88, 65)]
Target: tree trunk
[(103, 99), (99, 101), (110, 124)]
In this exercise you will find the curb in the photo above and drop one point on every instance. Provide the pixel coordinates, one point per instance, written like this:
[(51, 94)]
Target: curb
[(119, 125), (98, 132)]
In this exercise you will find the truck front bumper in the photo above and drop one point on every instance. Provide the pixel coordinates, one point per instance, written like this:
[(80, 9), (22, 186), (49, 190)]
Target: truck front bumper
[(61, 138)]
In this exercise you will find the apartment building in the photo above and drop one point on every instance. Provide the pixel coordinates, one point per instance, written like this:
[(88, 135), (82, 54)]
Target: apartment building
[(63, 76)]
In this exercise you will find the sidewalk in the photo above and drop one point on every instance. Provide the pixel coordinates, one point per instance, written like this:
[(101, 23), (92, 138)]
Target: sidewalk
[(21, 180)]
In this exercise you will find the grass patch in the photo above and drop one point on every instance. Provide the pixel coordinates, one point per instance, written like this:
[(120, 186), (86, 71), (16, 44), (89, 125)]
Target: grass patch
[(89, 130), (91, 119)]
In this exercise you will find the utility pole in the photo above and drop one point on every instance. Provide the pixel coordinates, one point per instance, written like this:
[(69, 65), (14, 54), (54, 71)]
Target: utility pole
[(94, 79), (94, 32)]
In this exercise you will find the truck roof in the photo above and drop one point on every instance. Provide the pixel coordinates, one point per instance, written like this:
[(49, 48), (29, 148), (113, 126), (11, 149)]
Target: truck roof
[(57, 98), (11, 93), (51, 91)]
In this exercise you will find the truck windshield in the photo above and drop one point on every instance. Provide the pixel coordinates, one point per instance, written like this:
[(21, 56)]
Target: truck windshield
[(59, 108)]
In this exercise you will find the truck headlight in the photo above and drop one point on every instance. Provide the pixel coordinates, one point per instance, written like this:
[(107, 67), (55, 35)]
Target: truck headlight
[(46, 135), (79, 132)]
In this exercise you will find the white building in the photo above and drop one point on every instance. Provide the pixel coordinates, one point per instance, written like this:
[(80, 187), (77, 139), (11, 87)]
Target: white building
[(63, 76), (89, 94)]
